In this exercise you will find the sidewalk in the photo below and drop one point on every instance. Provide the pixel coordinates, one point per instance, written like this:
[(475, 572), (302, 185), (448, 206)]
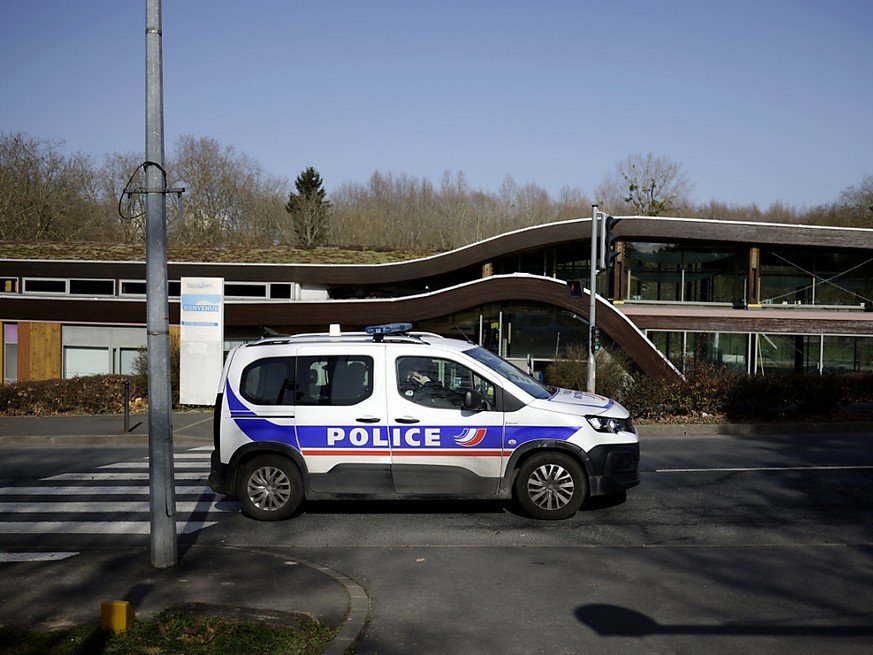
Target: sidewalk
[(104, 428), (55, 589), (65, 589)]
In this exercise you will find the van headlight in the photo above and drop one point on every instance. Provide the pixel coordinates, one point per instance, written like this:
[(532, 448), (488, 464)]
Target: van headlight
[(610, 425)]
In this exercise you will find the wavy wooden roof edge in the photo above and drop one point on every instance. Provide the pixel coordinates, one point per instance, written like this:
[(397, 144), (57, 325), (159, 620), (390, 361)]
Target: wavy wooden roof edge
[(639, 228)]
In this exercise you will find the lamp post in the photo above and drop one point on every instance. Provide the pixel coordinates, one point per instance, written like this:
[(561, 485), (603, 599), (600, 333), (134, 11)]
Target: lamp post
[(162, 495)]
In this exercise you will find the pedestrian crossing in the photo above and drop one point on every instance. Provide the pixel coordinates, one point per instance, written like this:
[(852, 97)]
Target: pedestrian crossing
[(112, 500)]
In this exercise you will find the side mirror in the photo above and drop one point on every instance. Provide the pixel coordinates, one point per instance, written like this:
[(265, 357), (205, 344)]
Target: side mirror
[(474, 401)]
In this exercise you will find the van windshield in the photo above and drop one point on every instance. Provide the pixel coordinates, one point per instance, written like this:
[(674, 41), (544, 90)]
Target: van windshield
[(510, 372)]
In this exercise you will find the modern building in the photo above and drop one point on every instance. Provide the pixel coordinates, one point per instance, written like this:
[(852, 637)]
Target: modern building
[(758, 297)]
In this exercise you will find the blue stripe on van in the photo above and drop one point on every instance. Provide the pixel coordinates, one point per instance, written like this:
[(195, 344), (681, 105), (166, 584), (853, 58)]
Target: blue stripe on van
[(260, 429), (235, 405)]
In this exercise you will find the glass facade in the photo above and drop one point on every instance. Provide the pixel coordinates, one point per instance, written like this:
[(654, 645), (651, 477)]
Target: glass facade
[(768, 354), (666, 272), (815, 277), (522, 332), (727, 349), (847, 354), (786, 354)]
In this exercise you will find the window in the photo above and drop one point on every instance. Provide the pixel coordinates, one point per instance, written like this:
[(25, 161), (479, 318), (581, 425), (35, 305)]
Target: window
[(334, 380), (677, 273), (435, 382), (32, 285), (506, 370), (10, 352), (244, 290), (280, 290), (80, 361), (92, 287), (127, 360), (269, 381), (133, 287)]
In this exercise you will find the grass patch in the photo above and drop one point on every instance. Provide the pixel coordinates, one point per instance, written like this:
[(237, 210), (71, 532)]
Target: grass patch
[(176, 632), (203, 253)]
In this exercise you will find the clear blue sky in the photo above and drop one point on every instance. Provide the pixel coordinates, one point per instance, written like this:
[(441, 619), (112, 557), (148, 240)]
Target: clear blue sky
[(759, 101)]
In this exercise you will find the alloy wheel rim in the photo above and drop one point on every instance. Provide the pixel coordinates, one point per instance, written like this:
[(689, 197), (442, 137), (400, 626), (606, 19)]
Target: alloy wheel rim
[(269, 488), (550, 487)]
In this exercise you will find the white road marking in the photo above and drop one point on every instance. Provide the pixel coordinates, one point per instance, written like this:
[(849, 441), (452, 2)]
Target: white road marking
[(96, 527), (765, 468), (52, 499), (82, 507), (141, 490), (199, 464), (118, 476)]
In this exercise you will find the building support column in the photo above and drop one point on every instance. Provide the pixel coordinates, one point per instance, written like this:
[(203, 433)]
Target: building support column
[(753, 284), (618, 283)]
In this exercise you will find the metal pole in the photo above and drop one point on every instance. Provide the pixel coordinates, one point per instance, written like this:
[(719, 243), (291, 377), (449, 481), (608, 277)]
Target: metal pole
[(592, 298), (126, 387), (161, 483)]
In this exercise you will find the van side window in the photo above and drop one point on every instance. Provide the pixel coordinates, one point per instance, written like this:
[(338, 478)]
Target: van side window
[(334, 380), (437, 382), (269, 381)]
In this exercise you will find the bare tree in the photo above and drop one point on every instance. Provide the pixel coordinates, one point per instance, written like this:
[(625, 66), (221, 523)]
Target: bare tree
[(44, 194), (389, 212), (572, 203), (228, 197), (124, 214), (855, 206), (648, 186)]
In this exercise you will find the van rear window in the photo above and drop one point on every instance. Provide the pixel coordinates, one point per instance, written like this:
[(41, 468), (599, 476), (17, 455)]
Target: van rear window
[(269, 381), (334, 379), (308, 380)]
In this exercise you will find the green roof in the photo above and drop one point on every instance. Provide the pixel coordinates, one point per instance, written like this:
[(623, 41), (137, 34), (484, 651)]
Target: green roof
[(198, 254)]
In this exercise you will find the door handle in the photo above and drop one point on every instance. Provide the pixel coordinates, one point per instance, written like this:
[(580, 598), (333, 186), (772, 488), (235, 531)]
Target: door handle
[(368, 419), (406, 419)]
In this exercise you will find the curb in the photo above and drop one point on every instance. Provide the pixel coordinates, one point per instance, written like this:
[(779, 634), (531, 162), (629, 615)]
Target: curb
[(646, 430), (358, 612)]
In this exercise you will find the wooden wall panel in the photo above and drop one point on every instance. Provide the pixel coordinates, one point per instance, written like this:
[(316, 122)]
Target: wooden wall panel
[(23, 351), (44, 350)]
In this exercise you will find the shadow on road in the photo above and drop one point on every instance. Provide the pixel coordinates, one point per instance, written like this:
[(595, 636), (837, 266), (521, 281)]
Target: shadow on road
[(615, 621)]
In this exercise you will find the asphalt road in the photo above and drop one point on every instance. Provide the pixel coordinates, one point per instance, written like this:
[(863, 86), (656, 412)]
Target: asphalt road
[(753, 544)]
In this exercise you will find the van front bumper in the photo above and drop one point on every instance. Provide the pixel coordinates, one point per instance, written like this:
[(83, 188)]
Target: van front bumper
[(614, 468)]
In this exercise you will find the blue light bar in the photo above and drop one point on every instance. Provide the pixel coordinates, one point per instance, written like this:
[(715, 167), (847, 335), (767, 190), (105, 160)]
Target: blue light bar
[(389, 328)]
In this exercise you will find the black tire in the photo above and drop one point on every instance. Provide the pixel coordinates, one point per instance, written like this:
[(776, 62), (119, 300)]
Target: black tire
[(270, 488), (550, 486)]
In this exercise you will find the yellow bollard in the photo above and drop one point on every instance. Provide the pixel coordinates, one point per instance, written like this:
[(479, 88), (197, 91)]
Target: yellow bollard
[(116, 615)]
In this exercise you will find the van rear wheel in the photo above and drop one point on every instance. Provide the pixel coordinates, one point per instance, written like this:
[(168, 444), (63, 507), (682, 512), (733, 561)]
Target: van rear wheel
[(270, 488), (550, 485)]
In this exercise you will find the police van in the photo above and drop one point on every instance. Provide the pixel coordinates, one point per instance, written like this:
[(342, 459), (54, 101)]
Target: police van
[(392, 413)]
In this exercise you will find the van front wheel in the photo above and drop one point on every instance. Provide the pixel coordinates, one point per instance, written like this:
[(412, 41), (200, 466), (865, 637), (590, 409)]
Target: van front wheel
[(550, 486), (270, 488)]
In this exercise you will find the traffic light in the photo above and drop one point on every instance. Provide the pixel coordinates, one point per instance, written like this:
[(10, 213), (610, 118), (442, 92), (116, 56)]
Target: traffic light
[(595, 339), (575, 288), (607, 241)]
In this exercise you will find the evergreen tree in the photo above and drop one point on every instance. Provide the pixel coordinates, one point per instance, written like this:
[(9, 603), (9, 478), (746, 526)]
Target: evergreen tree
[(309, 209)]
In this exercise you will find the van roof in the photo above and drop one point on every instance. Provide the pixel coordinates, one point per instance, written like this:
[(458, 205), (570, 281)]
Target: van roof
[(394, 333)]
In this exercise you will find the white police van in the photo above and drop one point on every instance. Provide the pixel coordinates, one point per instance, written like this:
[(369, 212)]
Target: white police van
[(391, 413)]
